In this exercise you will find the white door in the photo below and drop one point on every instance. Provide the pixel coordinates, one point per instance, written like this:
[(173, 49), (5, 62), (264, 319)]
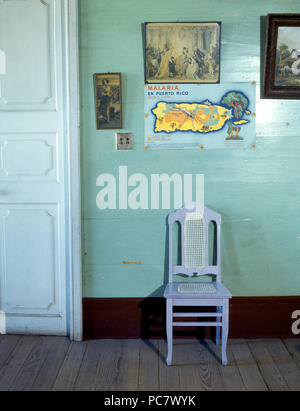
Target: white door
[(33, 167)]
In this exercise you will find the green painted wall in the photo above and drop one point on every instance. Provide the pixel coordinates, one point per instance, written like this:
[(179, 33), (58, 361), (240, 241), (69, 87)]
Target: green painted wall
[(257, 190)]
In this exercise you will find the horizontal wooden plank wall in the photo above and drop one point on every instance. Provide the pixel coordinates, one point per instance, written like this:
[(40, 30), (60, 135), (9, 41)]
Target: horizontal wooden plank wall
[(250, 317)]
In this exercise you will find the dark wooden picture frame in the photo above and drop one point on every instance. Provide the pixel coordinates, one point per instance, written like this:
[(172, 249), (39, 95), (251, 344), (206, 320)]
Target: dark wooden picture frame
[(182, 52), (282, 57), (108, 100)]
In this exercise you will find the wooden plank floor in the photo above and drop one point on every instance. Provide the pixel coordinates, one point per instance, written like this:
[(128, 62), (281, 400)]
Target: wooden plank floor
[(54, 363)]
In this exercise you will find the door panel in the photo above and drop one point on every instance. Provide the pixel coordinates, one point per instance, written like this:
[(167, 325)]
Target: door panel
[(36, 231), (33, 161), (30, 84), (18, 163)]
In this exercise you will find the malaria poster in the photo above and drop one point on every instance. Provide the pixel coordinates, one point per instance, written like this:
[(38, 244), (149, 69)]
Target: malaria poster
[(199, 116)]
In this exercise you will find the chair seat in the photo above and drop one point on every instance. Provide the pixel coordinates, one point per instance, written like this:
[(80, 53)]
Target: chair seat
[(171, 291)]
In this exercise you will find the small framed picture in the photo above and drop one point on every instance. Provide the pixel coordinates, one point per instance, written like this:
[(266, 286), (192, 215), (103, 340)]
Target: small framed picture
[(282, 58), (182, 52), (108, 100)]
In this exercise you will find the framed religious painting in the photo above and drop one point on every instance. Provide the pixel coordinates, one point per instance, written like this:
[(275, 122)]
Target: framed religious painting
[(108, 100), (282, 58), (182, 52)]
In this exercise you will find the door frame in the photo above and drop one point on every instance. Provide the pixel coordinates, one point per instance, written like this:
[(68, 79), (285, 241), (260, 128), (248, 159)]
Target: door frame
[(74, 247)]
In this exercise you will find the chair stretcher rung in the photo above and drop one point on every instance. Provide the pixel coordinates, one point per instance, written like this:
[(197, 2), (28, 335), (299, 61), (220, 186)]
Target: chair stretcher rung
[(197, 315), (198, 324)]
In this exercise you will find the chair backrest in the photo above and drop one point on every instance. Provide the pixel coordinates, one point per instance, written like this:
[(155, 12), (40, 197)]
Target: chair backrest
[(194, 253)]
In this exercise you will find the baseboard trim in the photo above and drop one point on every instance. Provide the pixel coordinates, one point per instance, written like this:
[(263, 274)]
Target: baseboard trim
[(250, 317)]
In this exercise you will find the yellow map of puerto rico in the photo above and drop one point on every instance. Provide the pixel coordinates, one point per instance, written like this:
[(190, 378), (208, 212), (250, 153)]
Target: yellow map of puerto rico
[(197, 117)]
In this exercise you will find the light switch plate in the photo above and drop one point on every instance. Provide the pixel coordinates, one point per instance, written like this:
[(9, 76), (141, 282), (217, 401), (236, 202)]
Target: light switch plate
[(124, 141)]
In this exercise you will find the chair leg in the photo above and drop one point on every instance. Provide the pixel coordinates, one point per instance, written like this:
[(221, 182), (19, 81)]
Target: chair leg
[(169, 330), (225, 328), (218, 329)]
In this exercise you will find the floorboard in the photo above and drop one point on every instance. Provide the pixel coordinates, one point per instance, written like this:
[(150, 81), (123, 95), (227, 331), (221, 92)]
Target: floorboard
[(57, 351), (249, 371), (86, 379), (108, 370), (191, 366), (127, 378), (69, 371), (267, 366), (31, 367), (7, 344), (15, 361), (148, 366), (231, 377), (285, 363), (212, 359), (293, 347), (29, 363), (168, 375)]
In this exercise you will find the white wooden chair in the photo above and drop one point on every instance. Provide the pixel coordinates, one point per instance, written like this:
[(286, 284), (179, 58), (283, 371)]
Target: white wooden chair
[(195, 262)]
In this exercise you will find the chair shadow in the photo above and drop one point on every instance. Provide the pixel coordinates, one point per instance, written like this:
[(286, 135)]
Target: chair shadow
[(204, 344), (153, 309), (155, 349), (153, 316)]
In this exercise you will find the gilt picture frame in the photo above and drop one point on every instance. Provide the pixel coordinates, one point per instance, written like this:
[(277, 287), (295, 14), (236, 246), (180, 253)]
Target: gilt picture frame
[(182, 52), (108, 100), (282, 57)]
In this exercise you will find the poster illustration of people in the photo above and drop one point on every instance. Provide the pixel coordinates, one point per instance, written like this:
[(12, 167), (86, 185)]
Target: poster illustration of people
[(199, 116), (182, 52)]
